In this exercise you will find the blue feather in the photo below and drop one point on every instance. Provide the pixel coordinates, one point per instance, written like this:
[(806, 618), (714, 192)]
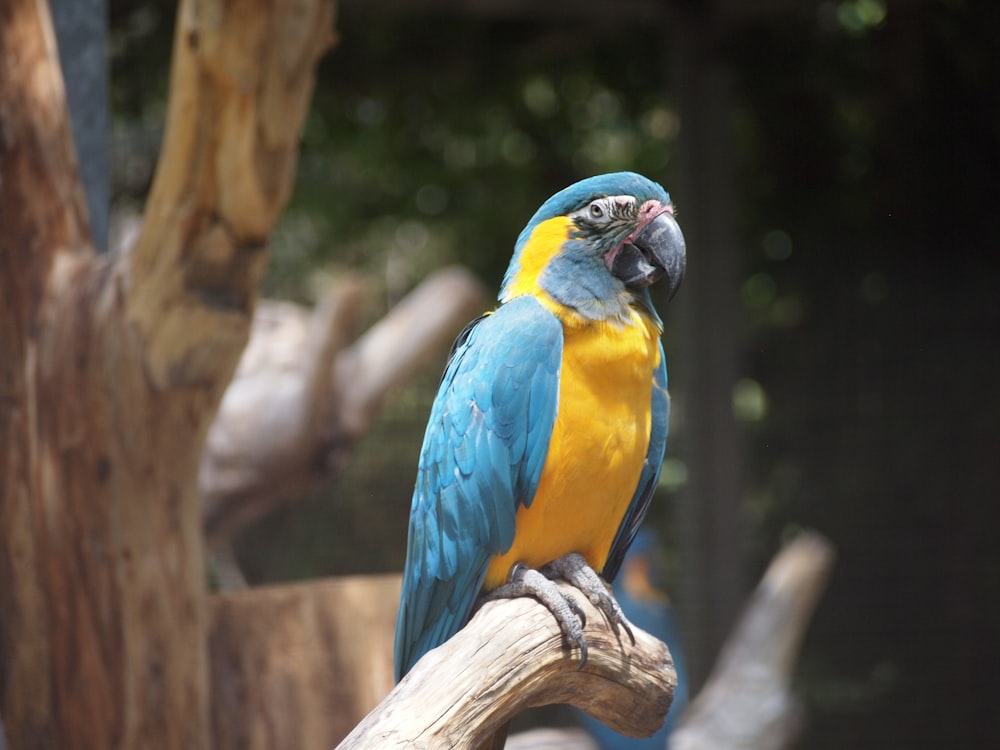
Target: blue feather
[(470, 485)]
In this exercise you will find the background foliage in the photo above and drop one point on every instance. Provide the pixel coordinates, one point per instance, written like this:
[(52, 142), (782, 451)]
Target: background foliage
[(867, 135)]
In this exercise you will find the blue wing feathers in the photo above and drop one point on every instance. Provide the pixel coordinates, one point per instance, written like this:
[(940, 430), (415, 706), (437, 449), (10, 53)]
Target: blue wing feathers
[(537, 448), (482, 458)]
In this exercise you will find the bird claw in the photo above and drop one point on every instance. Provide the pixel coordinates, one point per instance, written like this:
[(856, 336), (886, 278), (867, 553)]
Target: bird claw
[(572, 568), (525, 581)]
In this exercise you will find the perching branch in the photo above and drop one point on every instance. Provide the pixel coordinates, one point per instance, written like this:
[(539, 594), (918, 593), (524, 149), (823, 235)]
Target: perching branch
[(510, 657), (241, 82), (747, 703)]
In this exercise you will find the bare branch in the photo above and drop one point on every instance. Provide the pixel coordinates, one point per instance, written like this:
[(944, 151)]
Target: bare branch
[(241, 79), (402, 342), (749, 686), (42, 207), (300, 399), (511, 656), (268, 428)]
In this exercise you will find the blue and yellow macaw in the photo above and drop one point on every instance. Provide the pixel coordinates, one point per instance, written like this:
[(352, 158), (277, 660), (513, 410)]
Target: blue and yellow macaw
[(545, 441)]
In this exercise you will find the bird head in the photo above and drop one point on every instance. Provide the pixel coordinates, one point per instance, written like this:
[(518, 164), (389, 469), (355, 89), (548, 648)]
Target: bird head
[(596, 246)]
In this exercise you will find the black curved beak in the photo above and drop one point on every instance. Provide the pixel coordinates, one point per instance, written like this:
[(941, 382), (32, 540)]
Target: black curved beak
[(654, 252)]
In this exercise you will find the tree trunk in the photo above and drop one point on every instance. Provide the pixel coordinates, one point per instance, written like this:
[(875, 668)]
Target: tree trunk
[(111, 370), (297, 666)]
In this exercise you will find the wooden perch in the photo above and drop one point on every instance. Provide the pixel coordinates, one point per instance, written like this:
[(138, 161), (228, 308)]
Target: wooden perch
[(747, 703), (510, 657), (303, 393)]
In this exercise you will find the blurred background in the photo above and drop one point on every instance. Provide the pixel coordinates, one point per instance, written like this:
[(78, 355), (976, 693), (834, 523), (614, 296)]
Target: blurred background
[(833, 354)]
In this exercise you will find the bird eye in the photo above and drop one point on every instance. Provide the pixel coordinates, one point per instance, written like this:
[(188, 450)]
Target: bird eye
[(596, 210)]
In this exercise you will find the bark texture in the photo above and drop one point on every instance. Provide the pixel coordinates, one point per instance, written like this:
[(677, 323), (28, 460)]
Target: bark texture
[(511, 656), (298, 666), (112, 368)]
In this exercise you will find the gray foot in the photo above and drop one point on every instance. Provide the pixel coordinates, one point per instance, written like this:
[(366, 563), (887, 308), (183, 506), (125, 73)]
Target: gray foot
[(572, 568)]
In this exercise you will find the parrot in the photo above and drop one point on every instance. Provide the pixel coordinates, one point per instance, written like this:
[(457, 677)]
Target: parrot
[(546, 438)]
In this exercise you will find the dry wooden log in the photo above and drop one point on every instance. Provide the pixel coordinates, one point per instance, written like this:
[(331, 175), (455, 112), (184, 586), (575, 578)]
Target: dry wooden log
[(747, 704), (298, 666), (304, 393), (511, 656)]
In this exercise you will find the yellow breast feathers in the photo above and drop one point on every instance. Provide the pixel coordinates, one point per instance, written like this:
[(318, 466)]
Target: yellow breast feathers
[(598, 445)]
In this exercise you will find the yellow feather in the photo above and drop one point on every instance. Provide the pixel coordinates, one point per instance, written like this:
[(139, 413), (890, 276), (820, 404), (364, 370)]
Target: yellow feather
[(598, 445), (545, 241)]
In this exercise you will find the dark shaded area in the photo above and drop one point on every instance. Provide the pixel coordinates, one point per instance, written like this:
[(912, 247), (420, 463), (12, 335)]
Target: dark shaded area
[(866, 148), (875, 156), (81, 32)]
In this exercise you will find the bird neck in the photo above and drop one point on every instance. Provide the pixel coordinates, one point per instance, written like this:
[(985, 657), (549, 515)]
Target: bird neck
[(570, 279)]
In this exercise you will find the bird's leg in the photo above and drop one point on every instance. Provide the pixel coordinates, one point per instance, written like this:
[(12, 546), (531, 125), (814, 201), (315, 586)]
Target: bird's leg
[(525, 581), (573, 568)]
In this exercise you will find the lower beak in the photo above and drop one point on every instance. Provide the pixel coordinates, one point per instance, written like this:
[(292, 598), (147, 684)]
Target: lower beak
[(654, 252)]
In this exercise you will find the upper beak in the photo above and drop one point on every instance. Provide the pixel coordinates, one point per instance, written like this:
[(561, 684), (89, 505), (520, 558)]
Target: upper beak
[(655, 251)]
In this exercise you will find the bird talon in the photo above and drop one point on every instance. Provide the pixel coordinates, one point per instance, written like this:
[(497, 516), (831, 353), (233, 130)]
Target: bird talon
[(526, 581), (517, 571), (577, 610), (582, 645), (573, 569), (628, 629)]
